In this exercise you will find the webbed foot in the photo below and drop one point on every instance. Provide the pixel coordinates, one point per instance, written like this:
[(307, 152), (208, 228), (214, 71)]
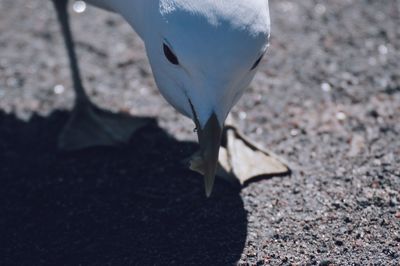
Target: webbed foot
[(241, 160), (91, 126)]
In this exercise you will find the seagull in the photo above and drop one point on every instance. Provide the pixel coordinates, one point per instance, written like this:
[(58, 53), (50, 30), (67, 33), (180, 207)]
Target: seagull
[(203, 54)]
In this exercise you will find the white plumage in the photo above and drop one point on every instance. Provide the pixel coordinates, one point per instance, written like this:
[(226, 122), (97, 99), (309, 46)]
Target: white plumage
[(203, 54), (216, 43)]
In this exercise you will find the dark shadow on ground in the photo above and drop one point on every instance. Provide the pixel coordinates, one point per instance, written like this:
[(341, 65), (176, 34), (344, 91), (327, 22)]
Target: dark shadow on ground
[(135, 205)]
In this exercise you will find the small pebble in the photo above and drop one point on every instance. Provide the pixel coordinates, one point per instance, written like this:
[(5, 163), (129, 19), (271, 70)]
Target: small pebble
[(242, 115), (58, 89), (259, 131), (320, 9), (383, 50), (294, 132), (341, 116), (79, 6), (377, 162), (339, 243), (325, 263), (326, 87)]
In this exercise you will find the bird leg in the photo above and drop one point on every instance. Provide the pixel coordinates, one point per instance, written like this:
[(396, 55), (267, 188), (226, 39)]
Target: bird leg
[(88, 124), (241, 160)]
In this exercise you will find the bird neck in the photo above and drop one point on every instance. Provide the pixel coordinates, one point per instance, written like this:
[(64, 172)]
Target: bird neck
[(137, 13)]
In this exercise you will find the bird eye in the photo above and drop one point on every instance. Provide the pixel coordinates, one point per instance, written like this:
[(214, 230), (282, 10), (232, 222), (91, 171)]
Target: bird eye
[(257, 62), (170, 55)]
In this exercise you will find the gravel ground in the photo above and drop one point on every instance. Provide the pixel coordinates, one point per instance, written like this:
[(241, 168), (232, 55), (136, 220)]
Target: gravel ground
[(327, 99)]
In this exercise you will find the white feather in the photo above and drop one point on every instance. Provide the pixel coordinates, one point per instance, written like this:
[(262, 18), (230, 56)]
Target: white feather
[(216, 42)]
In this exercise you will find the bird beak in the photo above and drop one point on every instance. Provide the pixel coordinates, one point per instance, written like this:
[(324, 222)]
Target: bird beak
[(210, 141)]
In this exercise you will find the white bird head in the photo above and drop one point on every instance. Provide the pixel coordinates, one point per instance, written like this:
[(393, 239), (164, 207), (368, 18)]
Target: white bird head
[(203, 55)]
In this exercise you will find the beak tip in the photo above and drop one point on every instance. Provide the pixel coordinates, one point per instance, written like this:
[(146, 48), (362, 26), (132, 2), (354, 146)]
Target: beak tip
[(209, 184), (208, 193), (210, 140)]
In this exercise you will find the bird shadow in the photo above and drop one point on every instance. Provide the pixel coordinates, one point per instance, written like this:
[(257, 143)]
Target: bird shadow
[(133, 205)]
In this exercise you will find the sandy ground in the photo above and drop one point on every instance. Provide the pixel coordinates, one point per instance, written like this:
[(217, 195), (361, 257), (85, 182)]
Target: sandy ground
[(327, 99)]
